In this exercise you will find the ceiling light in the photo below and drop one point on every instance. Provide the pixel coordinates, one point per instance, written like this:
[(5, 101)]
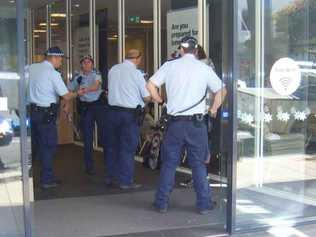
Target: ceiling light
[(112, 38), (77, 5), (11, 1), (52, 24), (39, 31), (63, 15), (36, 36), (146, 22)]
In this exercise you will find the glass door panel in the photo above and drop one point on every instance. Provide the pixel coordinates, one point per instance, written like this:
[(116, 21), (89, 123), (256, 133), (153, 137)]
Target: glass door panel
[(139, 31), (276, 147), (11, 198), (80, 46)]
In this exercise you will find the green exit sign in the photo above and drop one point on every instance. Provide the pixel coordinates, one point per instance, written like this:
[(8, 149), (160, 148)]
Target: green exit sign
[(134, 19)]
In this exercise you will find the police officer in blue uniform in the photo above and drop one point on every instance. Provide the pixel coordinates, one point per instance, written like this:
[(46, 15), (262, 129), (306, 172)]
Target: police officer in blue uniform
[(44, 89), (91, 106), (126, 95), (187, 80)]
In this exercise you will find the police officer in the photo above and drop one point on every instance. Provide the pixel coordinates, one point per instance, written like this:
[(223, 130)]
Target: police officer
[(187, 80), (126, 96), (45, 87), (91, 107)]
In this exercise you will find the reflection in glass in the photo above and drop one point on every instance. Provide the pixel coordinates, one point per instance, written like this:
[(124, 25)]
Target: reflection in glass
[(11, 198), (276, 145)]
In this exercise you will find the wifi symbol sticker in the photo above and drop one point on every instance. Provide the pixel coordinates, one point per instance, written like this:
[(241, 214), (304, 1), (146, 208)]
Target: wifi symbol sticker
[(285, 76), (285, 82)]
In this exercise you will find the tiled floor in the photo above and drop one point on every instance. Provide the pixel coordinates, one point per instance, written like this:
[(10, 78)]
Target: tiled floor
[(301, 231), (70, 169), (11, 201), (216, 231), (65, 212), (128, 213), (84, 206)]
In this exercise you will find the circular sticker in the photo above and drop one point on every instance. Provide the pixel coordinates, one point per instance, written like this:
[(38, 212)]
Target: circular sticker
[(285, 76)]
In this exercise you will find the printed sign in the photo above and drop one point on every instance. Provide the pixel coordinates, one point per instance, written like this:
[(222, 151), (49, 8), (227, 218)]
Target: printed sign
[(180, 23), (81, 45), (285, 76)]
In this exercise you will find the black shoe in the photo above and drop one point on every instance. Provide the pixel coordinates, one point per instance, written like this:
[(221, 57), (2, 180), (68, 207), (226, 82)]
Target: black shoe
[(90, 172), (49, 185), (130, 187), (208, 210)]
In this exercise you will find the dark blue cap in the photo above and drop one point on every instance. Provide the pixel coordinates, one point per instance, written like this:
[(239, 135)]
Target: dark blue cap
[(189, 42), (54, 51)]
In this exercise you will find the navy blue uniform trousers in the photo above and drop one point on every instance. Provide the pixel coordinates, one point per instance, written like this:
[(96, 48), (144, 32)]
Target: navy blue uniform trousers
[(44, 144), (93, 113), (179, 135), (121, 144)]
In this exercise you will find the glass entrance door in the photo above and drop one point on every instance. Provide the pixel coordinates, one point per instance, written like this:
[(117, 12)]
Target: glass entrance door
[(275, 63), (96, 27), (216, 38), (14, 204), (214, 49)]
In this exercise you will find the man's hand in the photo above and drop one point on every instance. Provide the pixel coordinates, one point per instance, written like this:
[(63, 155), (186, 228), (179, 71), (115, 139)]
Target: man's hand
[(82, 91), (212, 112), (154, 92), (218, 100)]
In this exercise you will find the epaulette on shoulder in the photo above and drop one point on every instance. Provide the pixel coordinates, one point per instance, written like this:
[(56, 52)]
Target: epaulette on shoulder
[(172, 59)]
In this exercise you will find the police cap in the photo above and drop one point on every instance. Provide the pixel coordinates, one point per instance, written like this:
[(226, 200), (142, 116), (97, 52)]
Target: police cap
[(189, 42), (89, 57), (54, 51)]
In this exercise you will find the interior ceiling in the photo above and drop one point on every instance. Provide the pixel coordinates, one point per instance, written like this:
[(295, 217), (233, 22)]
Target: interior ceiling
[(132, 7), (37, 3), (145, 10)]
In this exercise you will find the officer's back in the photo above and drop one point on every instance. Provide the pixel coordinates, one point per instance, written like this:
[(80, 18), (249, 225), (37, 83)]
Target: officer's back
[(186, 81), (126, 85), (44, 89), (44, 84), (126, 95)]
